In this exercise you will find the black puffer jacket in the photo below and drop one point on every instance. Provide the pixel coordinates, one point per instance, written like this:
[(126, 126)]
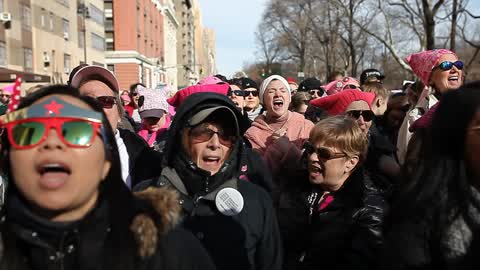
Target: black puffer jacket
[(340, 230), (32, 242), (248, 240)]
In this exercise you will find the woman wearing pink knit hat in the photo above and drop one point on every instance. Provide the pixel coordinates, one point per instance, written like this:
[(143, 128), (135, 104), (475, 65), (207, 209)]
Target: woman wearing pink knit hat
[(440, 71)]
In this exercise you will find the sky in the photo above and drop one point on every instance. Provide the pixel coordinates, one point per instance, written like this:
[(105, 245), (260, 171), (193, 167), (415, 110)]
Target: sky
[(235, 23)]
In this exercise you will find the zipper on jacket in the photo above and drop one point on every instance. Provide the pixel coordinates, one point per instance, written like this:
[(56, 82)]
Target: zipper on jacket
[(196, 200)]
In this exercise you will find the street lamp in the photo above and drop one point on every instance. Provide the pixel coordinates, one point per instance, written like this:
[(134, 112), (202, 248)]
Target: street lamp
[(85, 13)]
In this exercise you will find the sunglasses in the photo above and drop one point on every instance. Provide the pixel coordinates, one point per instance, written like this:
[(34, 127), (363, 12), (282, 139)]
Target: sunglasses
[(323, 153), (73, 132), (253, 93), (447, 65), (107, 102), (201, 133), (350, 86), (313, 92), (3, 95), (239, 93), (367, 115)]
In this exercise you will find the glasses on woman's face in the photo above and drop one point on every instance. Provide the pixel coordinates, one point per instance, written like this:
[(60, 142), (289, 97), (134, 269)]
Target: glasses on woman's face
[(323, 153), (73, 132), (238, 93), (253, 93), (447, 65), (202, 133), (314, 92), (367, 115), (107, 102), (350, 86), (5, 96)]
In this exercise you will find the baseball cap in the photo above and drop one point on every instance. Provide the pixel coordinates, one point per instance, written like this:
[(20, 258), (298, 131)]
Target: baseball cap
[(203, 114), (370, 73), (89, 72)]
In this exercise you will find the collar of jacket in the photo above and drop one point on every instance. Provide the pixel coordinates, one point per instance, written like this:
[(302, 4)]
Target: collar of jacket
[(134, 144), (53, 240), (170, 177), (350, 194), (197, 180)]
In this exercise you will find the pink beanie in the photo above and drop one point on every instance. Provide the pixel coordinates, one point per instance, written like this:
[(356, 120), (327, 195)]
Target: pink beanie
[(181, 95), (9, 88), (210, 80), (339, 85), (422, 63)]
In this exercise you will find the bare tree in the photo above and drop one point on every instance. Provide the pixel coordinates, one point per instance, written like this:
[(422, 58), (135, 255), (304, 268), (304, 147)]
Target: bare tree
[(269, 47), (288, 19)]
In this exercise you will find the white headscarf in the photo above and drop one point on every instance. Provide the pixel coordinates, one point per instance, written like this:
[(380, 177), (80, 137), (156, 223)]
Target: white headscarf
[(267, 81)]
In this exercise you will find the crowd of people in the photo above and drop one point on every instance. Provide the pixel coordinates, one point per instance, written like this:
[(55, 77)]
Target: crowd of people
[(237, 174)]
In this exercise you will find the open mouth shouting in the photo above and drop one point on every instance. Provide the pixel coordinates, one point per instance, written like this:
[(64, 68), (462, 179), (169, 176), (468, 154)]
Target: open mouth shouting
[(53, 174), (278, 104)]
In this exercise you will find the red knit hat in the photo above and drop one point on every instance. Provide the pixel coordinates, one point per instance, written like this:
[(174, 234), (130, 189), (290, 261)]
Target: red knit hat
[(181, 95), (338, 103)]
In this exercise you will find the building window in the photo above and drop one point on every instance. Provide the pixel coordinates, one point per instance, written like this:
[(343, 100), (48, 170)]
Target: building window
[(66, 3), (109, 39), (42, 17), (28, 59), (81, 39), (96, 14), (98, 42), (26, 17), (51, 21), (66, 29), (111, 67), (66, 63), (3, 53), (1, 5)]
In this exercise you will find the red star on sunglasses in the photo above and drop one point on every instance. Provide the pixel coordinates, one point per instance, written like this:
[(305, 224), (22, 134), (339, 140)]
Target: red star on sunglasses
[(53, 107)]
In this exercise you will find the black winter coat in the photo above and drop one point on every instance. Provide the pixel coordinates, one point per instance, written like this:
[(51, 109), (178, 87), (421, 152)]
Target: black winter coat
[(43, 245), (143, 160), (321, 233), (247, 240)]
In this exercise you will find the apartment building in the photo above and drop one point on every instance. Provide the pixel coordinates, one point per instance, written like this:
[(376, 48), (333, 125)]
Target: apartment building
[(141, 38), (47, 38)]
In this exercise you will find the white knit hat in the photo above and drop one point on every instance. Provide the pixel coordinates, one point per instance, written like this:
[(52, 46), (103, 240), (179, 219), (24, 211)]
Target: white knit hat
[(267, 81)]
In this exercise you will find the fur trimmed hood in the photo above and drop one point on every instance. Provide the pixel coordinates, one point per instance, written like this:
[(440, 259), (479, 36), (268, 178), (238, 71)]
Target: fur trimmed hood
[(164, 201)]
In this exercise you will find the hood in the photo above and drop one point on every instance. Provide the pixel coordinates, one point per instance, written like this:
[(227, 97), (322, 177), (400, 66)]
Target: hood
[(187, 109)]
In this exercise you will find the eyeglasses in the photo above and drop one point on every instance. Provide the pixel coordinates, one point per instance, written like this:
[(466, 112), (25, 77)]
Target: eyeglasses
[(367, 115), (3, 95), (314, 92), (323, 153), (239, 93), (253, 93), (107, 102), (74, 132), (201, 133), (447, 65), (350, 86)]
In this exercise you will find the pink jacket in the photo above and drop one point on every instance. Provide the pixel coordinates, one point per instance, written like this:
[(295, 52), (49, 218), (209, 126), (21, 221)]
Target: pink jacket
[(284, 150)]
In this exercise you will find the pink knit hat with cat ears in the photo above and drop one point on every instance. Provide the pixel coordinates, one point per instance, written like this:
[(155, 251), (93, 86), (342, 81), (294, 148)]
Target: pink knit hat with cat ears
[(422, 63), (268, 80)]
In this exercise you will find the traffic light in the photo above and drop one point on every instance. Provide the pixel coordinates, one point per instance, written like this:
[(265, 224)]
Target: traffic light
[(263, 73)]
